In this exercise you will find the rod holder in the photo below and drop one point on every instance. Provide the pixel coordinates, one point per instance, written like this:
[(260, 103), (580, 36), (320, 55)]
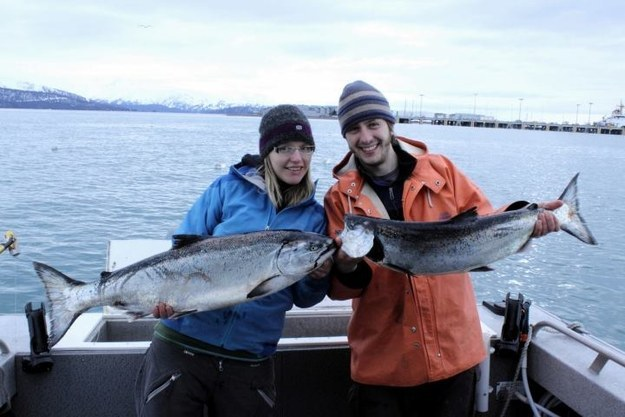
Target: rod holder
[(40, 359)]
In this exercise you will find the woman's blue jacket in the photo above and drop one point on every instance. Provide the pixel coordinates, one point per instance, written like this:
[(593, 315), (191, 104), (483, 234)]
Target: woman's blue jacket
[(237, 203)]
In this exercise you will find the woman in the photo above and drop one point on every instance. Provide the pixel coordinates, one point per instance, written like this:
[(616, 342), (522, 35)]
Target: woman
[(222, 359)]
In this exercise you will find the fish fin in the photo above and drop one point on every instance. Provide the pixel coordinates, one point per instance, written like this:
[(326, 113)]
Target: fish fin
[(526, 246), (179, 314), (517, 205), (482, 269), (60, 290), (376, 253), (465, 215), (569, 195), (136, 315), (268, 286), (180, 241), (396, 268), (576, 226)]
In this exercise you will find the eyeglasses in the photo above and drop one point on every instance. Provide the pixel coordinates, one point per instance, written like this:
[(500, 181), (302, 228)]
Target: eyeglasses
[(290, 150)]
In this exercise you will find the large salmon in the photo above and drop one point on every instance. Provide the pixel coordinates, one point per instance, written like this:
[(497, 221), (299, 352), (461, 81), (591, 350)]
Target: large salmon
[(205, 275), (467, 242)]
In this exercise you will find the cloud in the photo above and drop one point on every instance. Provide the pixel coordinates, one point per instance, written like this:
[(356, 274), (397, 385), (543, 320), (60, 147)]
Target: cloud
[(448, 54)]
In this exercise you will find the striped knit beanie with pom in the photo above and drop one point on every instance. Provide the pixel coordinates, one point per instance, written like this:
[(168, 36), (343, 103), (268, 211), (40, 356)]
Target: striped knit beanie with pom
[(361, 101)]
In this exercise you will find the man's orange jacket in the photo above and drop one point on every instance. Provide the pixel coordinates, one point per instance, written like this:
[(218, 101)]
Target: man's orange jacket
[(408, 330)]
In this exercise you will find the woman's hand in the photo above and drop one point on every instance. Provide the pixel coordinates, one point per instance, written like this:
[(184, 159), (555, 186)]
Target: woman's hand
[(163, 311), (323, 270)]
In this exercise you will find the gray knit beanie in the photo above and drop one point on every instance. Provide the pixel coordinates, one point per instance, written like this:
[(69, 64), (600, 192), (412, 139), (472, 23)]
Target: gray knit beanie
[(361, 101), (281, 124)]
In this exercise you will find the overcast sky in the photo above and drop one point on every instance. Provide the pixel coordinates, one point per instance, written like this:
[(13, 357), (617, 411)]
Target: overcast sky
[(448, 56)]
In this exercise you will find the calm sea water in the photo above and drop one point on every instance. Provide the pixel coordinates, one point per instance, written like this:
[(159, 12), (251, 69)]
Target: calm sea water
[(71, 181)]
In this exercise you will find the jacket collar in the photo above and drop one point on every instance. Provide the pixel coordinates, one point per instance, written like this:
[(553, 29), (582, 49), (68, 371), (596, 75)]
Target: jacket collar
[(250, 174), (411, 146), (426, 172)]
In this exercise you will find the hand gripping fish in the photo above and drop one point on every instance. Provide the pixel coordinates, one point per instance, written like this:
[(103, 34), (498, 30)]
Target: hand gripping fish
[(467, 242), (205, 275)]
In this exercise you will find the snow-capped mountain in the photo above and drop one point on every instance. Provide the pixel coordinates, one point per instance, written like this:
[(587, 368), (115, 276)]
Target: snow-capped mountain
[(41, 97), (48, 98), (29, 96)]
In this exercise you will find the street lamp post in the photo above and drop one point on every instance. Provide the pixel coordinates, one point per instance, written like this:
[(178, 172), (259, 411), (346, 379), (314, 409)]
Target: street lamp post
[(474, 103), (520, 103), (589, 107), (576, 113), (420, 108)]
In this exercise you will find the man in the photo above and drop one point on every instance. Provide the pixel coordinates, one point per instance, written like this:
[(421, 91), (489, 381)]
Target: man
[(415, 340)]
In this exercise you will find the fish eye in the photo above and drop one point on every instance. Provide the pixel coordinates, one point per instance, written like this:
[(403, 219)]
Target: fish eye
[(314, 246)]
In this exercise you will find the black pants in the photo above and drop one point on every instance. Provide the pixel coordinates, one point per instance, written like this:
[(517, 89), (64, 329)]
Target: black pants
[(174, 382), (453, 397)]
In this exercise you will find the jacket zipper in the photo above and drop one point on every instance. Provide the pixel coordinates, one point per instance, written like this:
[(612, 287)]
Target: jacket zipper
[(231, 320)]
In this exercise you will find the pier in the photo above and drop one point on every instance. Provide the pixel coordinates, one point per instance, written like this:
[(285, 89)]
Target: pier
[(477, 121)]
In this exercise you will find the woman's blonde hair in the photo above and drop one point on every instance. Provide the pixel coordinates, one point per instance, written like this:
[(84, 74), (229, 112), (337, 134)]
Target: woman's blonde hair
[(285, 196)]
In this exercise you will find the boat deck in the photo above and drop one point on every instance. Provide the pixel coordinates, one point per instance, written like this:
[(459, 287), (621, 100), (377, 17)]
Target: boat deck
[(95, 364)]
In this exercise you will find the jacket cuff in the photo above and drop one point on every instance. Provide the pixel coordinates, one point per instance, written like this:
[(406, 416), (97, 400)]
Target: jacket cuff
[(357, 279), (317, 284)]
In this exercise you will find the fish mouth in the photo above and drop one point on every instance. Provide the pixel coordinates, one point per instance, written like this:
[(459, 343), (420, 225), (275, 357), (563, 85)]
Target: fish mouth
[(331, 248), (352, 221)]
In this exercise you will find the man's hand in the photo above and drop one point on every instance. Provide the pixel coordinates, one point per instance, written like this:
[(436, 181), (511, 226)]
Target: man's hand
[(547, 221), (344, 263)]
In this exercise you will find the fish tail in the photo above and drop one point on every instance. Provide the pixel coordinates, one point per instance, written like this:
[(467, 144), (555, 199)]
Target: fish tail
[(59, 289), (575, 224)]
